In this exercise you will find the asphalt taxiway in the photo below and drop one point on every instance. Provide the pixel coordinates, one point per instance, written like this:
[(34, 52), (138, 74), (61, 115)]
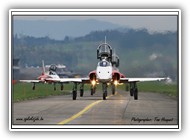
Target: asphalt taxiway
[(119, 109)]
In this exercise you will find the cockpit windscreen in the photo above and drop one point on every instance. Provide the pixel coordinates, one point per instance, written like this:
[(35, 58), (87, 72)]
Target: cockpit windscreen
[(103, 64)]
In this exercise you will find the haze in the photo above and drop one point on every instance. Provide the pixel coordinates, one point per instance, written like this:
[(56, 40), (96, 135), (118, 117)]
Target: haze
[(152, 23)]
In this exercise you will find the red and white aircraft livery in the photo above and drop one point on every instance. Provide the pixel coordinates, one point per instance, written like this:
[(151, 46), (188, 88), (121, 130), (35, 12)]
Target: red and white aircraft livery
[(105, 74), (49, 77)]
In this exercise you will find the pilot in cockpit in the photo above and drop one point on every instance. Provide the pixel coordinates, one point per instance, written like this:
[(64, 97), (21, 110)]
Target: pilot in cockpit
[(51, 73), (104, 63)]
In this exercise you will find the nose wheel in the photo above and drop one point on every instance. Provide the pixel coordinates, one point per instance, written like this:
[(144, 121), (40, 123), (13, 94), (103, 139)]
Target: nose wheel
[(113, 89), (54, 86), (105, 92)]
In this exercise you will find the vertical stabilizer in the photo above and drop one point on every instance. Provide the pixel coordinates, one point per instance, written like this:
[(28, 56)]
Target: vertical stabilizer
[(43, 68), (105, 39), (114, 53)]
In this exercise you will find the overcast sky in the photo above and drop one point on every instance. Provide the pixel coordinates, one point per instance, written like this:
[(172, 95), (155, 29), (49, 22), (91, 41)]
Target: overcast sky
[(152, 23)]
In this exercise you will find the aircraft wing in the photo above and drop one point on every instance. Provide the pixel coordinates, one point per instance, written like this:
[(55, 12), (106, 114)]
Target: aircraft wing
[(65, 80), (30, 81), (128, 80), (62, 80)]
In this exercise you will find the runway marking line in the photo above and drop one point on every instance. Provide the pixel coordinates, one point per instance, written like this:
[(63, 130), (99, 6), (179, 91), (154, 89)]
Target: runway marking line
[(82, 111)]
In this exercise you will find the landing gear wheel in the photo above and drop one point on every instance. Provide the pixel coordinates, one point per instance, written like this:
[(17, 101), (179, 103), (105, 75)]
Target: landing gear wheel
[(54, 86), (113, 89), (92, 90), (104, 87), (74, 91), (134, 90), (135, 94), (62, 87), (81, 92), (74, 94), (33, 87), (131, 92), (104, 95)]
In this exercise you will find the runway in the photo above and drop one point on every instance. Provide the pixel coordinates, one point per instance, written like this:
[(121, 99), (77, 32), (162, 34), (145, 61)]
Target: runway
[(119, 109)]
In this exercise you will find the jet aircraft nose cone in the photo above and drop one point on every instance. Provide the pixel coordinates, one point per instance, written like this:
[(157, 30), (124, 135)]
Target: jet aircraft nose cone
[(104, 73)]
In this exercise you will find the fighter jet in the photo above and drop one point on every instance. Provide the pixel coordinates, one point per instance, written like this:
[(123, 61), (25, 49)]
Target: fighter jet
[(105, 73), (50, 77)]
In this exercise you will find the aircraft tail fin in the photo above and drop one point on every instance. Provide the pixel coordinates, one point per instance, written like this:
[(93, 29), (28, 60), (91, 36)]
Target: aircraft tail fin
[(43, 68), (114, 52)]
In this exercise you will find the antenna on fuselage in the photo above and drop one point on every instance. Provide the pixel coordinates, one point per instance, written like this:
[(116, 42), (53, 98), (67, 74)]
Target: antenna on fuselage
[(105, 39)]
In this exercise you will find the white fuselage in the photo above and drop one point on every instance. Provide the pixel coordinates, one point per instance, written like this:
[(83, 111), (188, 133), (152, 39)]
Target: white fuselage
[(54, 76), (104, 71), (51, 77)]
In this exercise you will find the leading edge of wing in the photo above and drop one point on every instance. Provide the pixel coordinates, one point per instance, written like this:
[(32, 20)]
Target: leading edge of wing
[(141, 79), (29, 81), (62, 80)]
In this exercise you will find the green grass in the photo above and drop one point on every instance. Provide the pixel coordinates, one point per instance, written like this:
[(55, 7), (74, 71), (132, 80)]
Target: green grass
[(158, 87), (23, 91)]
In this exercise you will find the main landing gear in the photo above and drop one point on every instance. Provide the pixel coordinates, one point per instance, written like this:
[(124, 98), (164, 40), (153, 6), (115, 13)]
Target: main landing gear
[(62, 87), (134, 90), (74, 91), (81, 90), (33, 87)]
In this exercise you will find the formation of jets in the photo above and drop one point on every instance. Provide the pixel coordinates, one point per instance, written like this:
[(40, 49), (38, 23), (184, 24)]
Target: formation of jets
[(106, 72)]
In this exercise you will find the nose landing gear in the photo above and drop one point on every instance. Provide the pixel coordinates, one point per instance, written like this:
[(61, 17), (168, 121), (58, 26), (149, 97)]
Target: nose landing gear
[(105, 92), (113, 89)]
